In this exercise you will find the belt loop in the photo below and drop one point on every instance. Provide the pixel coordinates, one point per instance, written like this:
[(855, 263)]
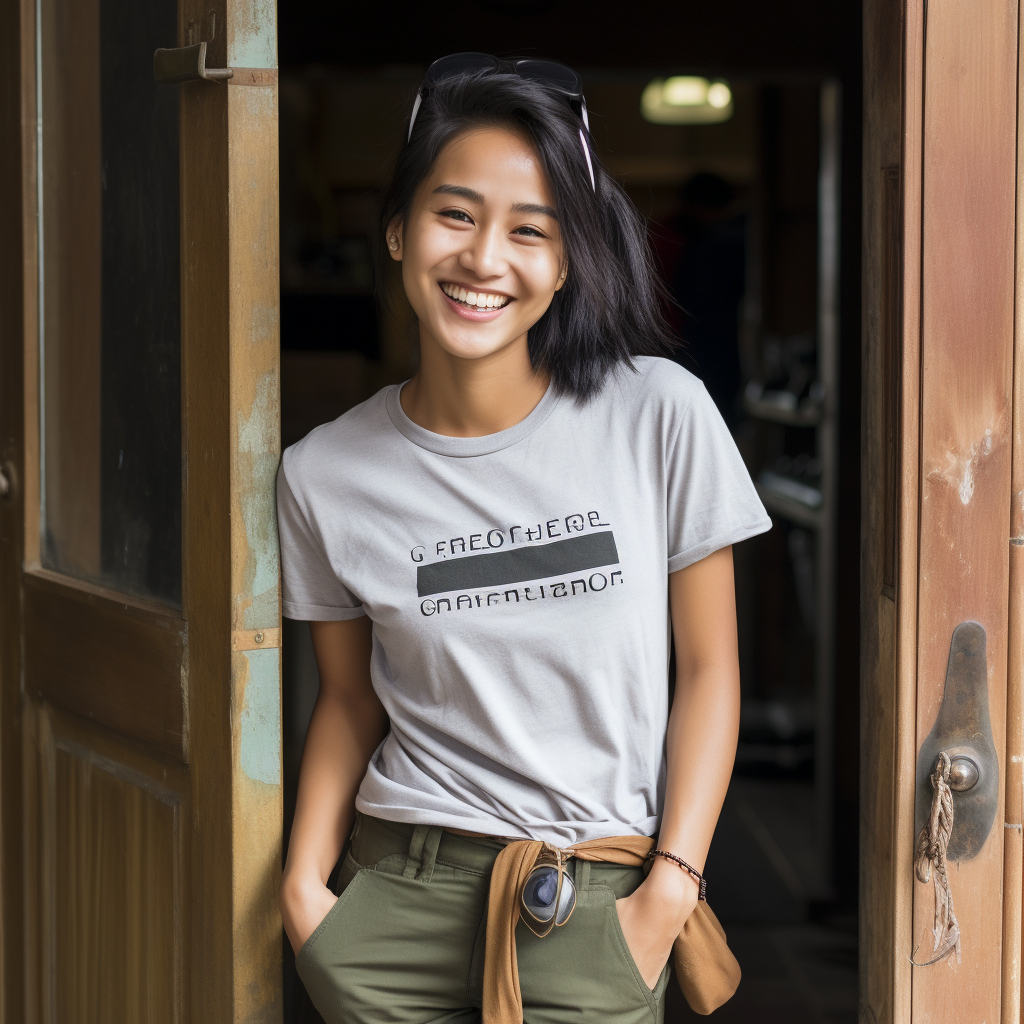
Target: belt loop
[(430, 845), (422, 852), (419, 835), (581, 875)]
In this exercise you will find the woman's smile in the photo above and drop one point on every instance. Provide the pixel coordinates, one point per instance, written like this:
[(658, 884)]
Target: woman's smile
[(476, 305)]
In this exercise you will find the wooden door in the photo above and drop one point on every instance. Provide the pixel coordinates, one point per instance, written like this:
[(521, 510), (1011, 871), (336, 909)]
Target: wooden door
[(943, 472), (139, 601)]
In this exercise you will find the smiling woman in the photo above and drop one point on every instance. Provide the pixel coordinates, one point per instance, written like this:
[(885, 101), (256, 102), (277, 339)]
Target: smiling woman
[(518, 758), (479, 245), (521, 141)]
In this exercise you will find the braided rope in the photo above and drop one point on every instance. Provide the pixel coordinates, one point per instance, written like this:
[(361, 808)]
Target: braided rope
[(930, 863)]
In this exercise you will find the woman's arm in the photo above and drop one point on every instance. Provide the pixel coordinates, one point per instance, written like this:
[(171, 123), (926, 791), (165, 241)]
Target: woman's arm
[(347, 724), (701, 747)]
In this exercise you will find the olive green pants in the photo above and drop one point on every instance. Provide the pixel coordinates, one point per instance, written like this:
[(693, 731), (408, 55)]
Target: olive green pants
[(405, 941)]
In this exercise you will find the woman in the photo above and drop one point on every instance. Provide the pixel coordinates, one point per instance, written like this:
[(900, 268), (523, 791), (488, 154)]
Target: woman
[(494, 558)]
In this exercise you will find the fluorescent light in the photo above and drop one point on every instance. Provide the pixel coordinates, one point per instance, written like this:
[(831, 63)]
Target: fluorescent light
[(686, 99), (683, 91)]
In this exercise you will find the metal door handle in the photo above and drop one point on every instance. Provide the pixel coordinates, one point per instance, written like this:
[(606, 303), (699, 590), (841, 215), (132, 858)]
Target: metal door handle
[(185, 64), (963, 731), (957, 782)]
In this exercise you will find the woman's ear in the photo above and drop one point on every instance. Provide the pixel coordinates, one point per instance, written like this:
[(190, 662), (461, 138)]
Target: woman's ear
[(394, 240), (561, 276)]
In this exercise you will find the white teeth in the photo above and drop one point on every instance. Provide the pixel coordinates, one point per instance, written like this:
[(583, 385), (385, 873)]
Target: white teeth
[(479, 301)]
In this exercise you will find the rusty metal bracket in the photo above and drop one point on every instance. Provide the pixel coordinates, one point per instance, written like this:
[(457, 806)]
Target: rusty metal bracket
[(185, 64), (963, 731)]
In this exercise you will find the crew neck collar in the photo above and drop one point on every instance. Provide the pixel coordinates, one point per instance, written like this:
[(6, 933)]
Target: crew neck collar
[(466, 447)]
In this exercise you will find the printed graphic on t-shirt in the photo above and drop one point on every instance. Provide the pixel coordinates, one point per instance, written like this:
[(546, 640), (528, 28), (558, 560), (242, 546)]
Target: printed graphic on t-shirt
[(530, 554)]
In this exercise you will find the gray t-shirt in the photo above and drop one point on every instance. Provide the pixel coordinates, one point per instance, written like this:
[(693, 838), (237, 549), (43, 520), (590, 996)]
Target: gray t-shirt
[(518, 587)]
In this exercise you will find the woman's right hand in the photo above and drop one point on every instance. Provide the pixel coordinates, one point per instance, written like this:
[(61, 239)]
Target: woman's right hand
[(303, 906)]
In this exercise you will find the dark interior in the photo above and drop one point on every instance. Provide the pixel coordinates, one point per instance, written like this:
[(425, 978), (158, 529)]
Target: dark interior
[(740, 218)]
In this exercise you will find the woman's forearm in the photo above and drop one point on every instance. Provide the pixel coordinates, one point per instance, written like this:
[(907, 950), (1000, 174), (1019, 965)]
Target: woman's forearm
[(704, 724), (701, 749), (342, 737)]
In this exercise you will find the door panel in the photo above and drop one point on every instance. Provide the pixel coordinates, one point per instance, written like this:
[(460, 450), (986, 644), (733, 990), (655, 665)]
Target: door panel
[(133, 686), (114, 854), (970, 122), (139, 558), (939, 270)]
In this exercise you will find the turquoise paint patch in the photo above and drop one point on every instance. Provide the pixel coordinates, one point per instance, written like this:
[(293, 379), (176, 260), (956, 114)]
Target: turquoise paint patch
[(261, 717), (252, 38), (257, 439)]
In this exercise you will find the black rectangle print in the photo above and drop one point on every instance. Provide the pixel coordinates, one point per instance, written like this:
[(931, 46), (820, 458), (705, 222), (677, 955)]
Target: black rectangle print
[(535, 562)]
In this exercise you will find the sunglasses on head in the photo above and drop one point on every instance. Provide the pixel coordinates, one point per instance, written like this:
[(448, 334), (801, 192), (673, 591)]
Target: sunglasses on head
[(547, 72), (549, 896)]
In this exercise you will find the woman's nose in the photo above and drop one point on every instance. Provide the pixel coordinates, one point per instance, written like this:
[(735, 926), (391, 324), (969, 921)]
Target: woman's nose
[(485, 255)]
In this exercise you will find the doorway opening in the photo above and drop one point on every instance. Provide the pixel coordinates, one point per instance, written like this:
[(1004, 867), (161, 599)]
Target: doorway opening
[(755, 221)]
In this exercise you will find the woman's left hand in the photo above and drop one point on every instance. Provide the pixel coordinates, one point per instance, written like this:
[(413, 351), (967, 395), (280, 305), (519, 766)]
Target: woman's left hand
[(654, 915)]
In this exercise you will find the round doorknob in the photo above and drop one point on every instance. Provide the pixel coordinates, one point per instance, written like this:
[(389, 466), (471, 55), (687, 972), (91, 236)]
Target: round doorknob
[(963, 774)]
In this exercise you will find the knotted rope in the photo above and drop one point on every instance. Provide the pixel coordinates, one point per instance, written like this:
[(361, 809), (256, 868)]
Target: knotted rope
[(930, 863)]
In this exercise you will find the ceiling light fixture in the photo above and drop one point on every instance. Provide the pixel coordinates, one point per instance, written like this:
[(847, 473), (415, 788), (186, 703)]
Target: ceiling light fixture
[(686, 99)]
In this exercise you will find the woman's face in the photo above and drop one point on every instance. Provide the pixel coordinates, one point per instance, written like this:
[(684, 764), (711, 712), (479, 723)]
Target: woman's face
[(480, 249)]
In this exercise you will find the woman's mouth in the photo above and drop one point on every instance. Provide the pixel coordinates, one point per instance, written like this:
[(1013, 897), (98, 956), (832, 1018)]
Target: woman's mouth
[(469, 301)]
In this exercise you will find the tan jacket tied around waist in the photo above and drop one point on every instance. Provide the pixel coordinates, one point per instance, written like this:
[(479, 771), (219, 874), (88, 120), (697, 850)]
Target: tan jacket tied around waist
[(705, 967)]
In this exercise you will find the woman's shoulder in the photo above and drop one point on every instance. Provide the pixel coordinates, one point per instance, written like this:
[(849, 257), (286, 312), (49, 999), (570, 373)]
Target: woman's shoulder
[(654, 382), (328, 449)]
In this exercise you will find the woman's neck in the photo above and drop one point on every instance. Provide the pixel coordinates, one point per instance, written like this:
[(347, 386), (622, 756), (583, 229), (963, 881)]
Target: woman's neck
[(461, 397)]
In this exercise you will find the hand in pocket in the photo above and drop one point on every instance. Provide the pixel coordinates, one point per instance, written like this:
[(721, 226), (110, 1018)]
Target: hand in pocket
[(302, 910), (652, 918), (649, 949)]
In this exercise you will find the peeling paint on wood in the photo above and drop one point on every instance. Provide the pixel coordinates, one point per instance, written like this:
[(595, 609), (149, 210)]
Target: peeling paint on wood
[(252, 35), (260, 720), (257, 441), (963, 460)]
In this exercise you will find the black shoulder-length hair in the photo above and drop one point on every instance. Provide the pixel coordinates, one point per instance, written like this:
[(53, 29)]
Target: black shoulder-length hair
[(611, 305)]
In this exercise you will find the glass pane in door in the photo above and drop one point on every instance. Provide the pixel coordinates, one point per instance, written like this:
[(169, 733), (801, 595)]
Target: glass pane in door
[(110, 346)]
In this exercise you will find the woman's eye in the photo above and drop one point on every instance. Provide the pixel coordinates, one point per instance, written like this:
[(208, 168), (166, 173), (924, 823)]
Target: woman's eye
[(457, 215), (529, 232)]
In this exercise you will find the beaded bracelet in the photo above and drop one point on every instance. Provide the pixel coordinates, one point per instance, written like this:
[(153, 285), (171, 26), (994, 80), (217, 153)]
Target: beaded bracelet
[(702, 885)]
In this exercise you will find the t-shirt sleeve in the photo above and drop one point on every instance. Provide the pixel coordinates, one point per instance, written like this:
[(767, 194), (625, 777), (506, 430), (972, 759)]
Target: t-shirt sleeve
[(312, 590), (712, 501)]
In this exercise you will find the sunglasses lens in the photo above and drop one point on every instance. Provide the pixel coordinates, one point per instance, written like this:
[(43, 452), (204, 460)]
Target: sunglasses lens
[(550, 72), (540, 891), (456, 63)]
